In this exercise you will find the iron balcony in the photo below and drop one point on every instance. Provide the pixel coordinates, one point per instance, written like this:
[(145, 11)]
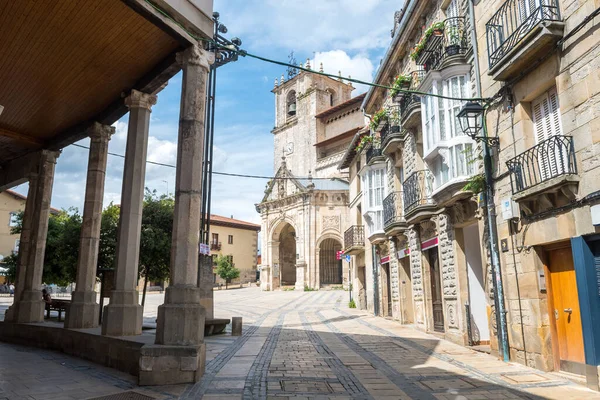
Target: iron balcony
[(519, 32), (417, 190), (354, 239), (452, 42), (543, 162)]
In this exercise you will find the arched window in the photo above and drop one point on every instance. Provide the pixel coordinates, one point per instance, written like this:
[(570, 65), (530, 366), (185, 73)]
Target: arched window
[(332, 97), (291, 103)]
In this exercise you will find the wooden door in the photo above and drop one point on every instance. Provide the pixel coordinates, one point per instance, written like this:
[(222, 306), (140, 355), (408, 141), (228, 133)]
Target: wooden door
[(436, 290), (564, 308)]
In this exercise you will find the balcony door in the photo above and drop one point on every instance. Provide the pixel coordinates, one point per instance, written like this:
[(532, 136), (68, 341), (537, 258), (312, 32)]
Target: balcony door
[(552, 155)]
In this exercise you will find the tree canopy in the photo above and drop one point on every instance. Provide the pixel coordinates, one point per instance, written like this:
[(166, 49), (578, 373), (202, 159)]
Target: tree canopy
[(62, 244)]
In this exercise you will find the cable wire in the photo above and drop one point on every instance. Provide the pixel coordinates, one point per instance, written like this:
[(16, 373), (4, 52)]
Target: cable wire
[(245, 53), (224, 173)]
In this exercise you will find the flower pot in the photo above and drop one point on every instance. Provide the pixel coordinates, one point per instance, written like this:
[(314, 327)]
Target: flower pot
[(452, 50), (405, 85), (395, 129), (438, 32)]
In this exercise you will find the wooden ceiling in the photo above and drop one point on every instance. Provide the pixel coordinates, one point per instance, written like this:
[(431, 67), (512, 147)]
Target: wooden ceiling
[(63, 62)]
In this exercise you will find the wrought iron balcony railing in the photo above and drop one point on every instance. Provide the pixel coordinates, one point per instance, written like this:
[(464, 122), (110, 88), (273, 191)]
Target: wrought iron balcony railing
[(453, 41), (372, 153), (354, 236), (549, 159), (392, 209), (215, 246), (417, 190), (513, 21)]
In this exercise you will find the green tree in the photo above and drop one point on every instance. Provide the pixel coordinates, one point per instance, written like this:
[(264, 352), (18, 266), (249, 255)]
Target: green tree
[(155, 245), (226, 270), (10, 263), (62, 246), (109, 225)]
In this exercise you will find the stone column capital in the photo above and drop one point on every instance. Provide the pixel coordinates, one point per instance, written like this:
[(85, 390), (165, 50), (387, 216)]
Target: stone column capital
[(137, 99), (49, 156), (99, 132), (195, 55)]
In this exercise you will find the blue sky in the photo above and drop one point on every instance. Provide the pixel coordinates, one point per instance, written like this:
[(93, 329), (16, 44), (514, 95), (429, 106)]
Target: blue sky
[(347, 35)]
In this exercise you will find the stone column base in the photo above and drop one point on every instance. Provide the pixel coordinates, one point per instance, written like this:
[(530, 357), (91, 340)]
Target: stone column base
[(170, 365), (300, 277), (83, 311), (123, 315), (181, 318), (31, 307), (10, 315)]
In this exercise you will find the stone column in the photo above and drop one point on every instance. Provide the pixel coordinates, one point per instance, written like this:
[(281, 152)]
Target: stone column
[(123, 316), (83, 311), (181, 318), (31, 307), (205, 284), (24, 247)]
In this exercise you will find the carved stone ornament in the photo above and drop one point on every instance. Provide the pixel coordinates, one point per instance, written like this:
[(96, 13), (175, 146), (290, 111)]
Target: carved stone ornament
[(428, 230), (331, 222), (195, 55), (452, 315), (137, 99)]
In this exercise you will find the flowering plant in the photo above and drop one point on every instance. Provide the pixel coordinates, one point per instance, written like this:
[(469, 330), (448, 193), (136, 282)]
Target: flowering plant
[(400, 82), (377, 118), (364, 141), (435, 27)]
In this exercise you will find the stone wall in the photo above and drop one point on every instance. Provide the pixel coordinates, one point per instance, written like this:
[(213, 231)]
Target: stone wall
[(574, 73)]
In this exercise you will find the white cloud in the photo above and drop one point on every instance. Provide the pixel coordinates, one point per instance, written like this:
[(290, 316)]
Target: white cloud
[(358, 67), (310, 25)]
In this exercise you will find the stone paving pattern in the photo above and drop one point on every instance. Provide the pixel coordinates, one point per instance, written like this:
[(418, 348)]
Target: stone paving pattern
[(297, 345)]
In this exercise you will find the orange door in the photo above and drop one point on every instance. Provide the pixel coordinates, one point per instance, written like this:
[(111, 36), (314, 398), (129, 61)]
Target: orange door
[(566, 305)]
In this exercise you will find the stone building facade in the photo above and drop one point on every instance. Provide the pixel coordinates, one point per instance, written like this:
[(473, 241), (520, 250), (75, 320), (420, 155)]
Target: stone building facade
[(547, 169), (429, 265), (304, 211), (424, 257)]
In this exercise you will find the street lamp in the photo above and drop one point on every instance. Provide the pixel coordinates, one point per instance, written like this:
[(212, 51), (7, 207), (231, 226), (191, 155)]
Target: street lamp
[(470, 119)]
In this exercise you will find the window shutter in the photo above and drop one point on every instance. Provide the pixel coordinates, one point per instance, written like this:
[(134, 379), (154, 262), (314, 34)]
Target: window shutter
[(546, 120)]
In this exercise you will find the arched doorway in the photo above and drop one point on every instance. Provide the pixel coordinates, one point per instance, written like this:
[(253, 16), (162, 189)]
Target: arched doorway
[(330, 268), (287, 255)]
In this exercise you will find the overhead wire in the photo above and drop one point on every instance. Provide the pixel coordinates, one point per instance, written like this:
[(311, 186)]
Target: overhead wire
[(245, 53), (224, 173)]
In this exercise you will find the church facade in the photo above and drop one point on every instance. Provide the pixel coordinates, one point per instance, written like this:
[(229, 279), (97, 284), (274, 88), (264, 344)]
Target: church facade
[(304, 211)]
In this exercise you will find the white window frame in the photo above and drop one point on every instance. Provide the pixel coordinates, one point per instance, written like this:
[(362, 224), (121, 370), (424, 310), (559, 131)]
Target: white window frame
[(12, 219), (374, 179), (443, 139)]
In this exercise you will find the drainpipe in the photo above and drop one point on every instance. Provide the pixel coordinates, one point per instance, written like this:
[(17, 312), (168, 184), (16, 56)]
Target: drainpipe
[(491, 207)]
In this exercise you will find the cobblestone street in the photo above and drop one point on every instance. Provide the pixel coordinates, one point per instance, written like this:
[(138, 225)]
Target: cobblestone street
[(298, 345)]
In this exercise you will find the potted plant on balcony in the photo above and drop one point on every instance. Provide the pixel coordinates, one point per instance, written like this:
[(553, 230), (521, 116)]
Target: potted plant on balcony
[(402, 82), (454, 35), (438, 29), (377, 118), (364, 141)]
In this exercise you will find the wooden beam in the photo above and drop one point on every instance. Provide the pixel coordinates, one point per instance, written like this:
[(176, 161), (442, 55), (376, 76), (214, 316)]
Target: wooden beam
[(161, 21), (22, 138), (152, 82)]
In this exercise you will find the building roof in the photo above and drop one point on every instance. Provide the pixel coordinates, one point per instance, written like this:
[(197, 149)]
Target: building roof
[(219, 220), (326, 184), (355, 100), (19, 196), (339, 137), (351, 150)]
